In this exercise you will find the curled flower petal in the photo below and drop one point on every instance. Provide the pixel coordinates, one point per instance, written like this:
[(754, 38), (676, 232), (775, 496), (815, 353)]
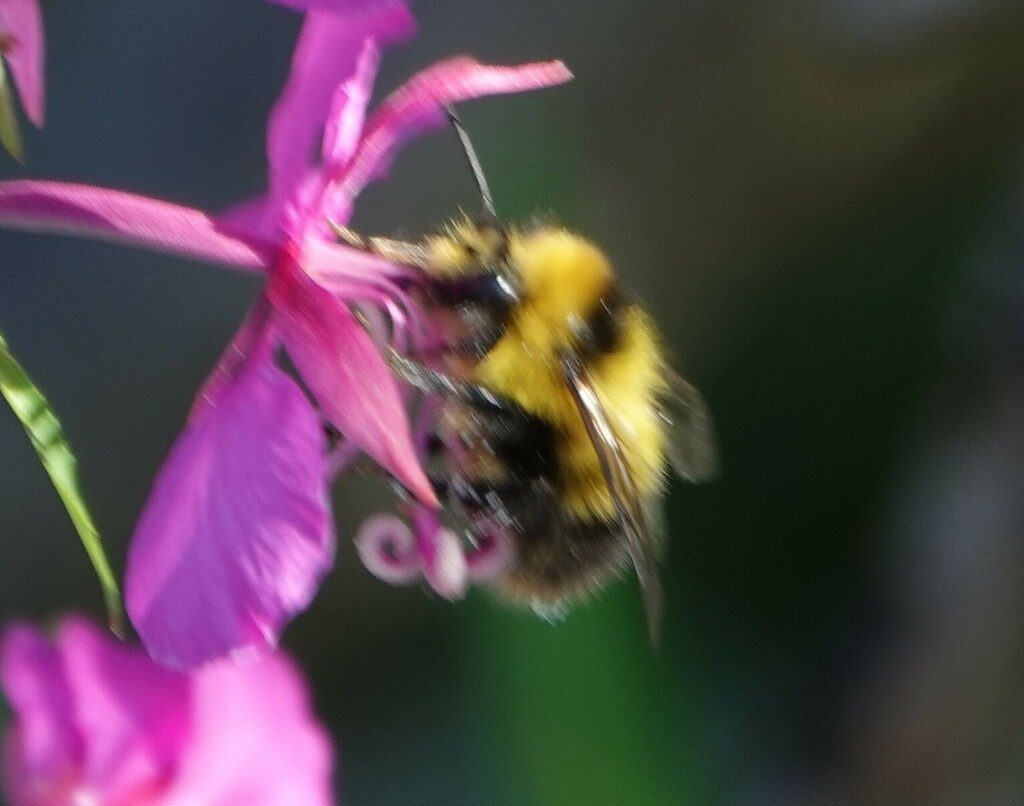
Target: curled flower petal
[(21, 24), (388, 550), (444, 564), (111, 215), (391, 552), (332, 50), (419, 105), (342, 367), (236, 533)]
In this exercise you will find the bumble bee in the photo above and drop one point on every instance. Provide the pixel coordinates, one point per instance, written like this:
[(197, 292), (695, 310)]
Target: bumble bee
[(560, 412)]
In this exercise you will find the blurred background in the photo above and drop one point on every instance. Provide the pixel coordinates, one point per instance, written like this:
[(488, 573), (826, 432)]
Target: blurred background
[(821, 201)]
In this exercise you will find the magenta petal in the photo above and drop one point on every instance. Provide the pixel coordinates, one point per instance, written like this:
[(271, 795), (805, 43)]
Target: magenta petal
[(250, 338), (236, 534), (130, 733), (254, 740), (419, 105), (340, 268), (343, 369), (331, 49), (347, 110), (126, 218), (133, 713), (348, 7), (251, 219), (22, 23), (46, 745)]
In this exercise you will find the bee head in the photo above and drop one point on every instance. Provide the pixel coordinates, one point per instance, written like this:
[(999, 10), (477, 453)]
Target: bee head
[(466, 248)]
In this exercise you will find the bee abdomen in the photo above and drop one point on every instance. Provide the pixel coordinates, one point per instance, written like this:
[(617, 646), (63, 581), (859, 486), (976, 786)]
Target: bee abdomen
[(565, 559), (516, 504)]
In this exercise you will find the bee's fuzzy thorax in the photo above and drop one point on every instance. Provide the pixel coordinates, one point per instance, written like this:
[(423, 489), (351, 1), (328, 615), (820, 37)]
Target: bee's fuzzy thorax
[(563, 277), (524, 367)]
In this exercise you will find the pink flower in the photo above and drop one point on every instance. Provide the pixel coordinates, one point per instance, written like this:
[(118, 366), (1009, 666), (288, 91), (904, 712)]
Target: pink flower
[(97, 722), (21, 43), (236, 534)]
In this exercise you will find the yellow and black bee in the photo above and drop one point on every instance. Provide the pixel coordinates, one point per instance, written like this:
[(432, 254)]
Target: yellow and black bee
[(560, 412)]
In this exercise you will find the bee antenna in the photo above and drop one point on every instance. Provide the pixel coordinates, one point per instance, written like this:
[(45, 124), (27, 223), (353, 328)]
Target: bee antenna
[(474, 163)]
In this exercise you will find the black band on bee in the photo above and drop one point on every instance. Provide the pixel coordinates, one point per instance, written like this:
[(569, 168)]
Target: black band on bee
[(524, 443), (482, 303), (481, 339), (600, 331), (521, 451), (489, 289)]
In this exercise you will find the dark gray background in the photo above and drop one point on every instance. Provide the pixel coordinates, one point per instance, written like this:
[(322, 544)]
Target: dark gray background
[(821, 202)]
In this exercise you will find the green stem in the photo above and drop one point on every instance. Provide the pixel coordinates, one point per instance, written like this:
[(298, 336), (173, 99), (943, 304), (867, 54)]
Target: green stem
[(9, 136), (44, 430)]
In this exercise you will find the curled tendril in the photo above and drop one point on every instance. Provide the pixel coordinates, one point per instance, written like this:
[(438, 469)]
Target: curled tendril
[(388, 549), (490, 556), (444, 563), (399, 555)]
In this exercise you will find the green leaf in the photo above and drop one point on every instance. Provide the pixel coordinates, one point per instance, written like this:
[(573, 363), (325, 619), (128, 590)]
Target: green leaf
[(10, 138), (44, 430)]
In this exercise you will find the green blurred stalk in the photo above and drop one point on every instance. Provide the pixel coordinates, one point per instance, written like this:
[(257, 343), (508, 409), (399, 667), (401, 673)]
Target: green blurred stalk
[(584, 712), (45, 432), (9, 135)]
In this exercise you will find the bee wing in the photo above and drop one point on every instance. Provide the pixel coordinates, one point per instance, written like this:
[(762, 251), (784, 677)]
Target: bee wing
[(623, 489), (692, 450)]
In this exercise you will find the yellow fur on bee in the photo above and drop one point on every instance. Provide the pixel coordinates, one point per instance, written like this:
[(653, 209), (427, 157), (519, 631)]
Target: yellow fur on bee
[(524, 366), (464, 245), (562, 276), (446, 256)]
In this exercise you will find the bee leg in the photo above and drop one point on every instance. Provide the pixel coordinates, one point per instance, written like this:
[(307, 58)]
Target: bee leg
[(392, 249), (433, 382), (348, 236)]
